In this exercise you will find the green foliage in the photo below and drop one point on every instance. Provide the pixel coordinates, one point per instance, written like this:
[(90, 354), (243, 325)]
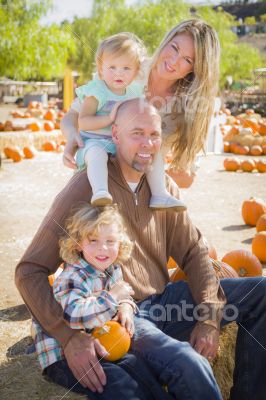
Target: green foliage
[(250, 21), (28, 50), (263, 18)]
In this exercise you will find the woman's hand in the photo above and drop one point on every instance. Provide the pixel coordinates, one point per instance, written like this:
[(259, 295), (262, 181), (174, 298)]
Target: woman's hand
[(73, 143), (182, 178), (125, 315)]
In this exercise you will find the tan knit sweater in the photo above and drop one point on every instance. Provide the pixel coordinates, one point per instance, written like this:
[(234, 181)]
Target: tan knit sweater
[(156, 236)]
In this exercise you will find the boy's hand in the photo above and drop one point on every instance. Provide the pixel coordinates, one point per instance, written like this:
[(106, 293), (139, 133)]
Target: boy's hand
[(125, 316)]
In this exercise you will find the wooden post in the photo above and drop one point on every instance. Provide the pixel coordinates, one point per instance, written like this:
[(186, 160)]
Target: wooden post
[(68, 88)]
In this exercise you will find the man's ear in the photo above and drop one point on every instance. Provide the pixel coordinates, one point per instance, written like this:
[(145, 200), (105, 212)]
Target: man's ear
[(115, 134)]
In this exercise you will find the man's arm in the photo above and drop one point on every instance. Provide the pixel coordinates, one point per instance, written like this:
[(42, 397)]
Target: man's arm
[(69, 128)]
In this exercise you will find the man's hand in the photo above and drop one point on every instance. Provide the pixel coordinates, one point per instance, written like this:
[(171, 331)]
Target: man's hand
[(125, 315), (205, 340), (73, 143), (81, 354)]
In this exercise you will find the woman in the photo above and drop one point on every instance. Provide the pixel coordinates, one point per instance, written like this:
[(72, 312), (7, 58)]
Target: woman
[(181, 81)]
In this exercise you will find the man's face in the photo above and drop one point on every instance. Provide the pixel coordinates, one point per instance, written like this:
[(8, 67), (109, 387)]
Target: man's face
[(137, 136)]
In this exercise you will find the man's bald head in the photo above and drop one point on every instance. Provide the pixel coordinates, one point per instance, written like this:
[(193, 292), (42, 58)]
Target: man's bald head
[(131, 109)]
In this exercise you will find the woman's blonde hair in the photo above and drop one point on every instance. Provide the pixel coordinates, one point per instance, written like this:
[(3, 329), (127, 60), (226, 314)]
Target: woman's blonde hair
[(124, 43), (86, 221), (194, 96)]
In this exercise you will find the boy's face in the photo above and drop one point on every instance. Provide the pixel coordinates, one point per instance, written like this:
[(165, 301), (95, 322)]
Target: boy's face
[(117, 72), (101, 248)]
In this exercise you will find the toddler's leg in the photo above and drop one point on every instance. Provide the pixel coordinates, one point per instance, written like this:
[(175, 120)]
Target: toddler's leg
[(161, 199), (96, 160)]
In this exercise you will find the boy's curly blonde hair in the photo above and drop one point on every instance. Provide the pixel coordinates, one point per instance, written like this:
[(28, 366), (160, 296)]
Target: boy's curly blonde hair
[(86, 221)]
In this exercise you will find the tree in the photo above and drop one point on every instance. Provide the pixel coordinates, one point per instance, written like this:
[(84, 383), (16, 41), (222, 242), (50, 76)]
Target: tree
[(28, 50), (250, 21)]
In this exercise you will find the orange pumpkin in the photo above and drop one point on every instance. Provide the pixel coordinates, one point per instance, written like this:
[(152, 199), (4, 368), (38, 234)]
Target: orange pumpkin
[(251, 123), (261, 166), (248, 165), (49, 146), (231, 164), (178, 275), (252, 209), (171, 263), (264, 149), (29, 151), (52, 278), (244, 262), (17, 154), (8, 152), (262, 128), (50, 115), (261, 223), (211, 249), (48, 126), (259, 246), (114, 338), (256, 150), (35, 127), (226, 147), (241, 150)]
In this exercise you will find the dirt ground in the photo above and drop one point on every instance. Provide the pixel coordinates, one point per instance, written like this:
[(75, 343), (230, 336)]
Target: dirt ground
[(27, 190)]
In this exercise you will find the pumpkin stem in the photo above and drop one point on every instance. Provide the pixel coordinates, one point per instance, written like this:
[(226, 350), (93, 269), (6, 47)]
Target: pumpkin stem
[(242, 272)]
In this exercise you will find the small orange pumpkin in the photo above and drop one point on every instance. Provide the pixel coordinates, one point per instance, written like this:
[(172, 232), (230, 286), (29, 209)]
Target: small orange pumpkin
[(48, 126), (231, 164), (35, 127), (261, 166), (17, 154), (252, 209), (264, 149), (8, 152), (50, 115), (49, 146), (248, 165), (256, 150), (262, 128), (226, 147), (241, 150), (259, 246), (244, 262), (171, 263), (211, 249), (251, 123), (261, 223), (29, 151), (114, 338)]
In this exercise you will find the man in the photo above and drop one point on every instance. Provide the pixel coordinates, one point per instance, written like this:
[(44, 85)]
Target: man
[(157, 235)]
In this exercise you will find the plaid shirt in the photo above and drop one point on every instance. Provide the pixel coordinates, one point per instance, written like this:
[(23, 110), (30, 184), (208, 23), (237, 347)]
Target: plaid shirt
[(83, 293)]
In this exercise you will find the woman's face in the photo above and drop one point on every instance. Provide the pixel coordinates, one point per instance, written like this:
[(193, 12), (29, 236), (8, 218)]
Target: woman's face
[(177, 58)]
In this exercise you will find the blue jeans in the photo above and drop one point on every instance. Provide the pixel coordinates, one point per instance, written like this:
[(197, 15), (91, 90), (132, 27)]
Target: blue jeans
[(161, 339), (128, 378)]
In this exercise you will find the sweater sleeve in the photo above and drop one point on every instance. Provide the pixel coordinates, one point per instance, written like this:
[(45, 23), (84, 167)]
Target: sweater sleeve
[(186, 246), (42, 259)]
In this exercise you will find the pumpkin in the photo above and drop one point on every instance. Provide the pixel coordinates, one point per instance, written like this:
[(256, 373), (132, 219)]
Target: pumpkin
[(221, 269), (35, 127), (250, 111), (264, 149), (233, 146), (226, 147), (244, 262), (256, 150), (114, 338), (52, 278), (251, 123), (211, 249), (8, 152), (8, 126), (261, 223), (48, 126), (241, 150), (171, 263), (29, 151), (49, 146), (262, 128), (259, 246), (261, 166), (2, 126), (50, 115), (231, 164), (252, 209), (17, 154), (248, 165)]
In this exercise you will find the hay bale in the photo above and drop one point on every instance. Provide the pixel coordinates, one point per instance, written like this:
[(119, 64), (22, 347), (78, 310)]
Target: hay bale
[(224, 363)]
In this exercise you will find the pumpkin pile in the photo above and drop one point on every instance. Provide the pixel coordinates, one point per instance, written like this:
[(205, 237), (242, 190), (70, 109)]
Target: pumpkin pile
[(248, 165)]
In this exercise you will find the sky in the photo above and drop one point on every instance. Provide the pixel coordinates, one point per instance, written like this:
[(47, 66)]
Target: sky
[(67, 9)]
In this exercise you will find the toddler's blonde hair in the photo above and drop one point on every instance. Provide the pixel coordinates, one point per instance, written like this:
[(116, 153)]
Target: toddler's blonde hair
[(124, 43), (86, 221)]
